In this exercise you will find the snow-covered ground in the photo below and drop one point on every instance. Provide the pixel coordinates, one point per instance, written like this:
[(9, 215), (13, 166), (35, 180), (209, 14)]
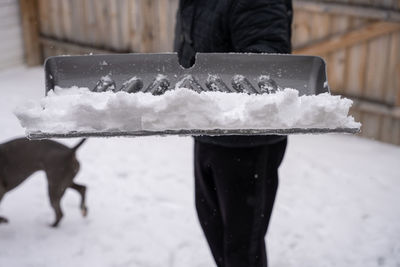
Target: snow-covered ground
[(337, 205)]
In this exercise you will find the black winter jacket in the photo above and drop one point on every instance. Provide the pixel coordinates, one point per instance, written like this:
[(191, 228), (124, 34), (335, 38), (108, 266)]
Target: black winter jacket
[(233, 26)]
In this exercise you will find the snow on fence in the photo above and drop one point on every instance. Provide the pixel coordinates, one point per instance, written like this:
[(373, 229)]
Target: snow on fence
[(359, 39)]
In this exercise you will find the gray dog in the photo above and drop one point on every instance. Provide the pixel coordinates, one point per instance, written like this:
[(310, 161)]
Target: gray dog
[(21, 157)]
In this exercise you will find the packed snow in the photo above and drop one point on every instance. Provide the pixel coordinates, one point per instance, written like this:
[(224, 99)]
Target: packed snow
[(337, 202), (79, 109)]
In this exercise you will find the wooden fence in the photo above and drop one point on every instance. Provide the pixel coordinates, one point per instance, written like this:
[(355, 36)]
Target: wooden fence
[(10, 31), (99, 26), (359, 39)]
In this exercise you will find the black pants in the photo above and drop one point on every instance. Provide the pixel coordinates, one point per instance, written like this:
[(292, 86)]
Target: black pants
[(235, 192)]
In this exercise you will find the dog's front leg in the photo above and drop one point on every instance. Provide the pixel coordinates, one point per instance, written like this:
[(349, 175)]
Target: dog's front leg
[(2, 192)]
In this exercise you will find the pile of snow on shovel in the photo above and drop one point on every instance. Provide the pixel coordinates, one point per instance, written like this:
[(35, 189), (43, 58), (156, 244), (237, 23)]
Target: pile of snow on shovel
[(79, 109)]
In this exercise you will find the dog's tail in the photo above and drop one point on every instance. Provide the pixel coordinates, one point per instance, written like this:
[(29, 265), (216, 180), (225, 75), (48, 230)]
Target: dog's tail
[(73, 149)]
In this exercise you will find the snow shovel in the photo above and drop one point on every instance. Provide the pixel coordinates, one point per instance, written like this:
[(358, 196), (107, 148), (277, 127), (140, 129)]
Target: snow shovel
[(158, 73)]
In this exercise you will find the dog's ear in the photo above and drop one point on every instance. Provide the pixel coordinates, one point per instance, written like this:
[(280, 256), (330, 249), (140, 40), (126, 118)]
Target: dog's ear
[(73, 149)]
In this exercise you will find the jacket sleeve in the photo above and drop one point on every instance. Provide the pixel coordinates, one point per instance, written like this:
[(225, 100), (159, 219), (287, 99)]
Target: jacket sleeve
[(260, 26)]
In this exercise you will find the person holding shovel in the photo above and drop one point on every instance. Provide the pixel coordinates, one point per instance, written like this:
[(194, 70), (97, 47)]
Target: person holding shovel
[(236, 177)]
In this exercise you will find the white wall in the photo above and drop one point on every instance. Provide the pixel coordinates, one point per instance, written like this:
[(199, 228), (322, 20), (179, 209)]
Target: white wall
[(11, 45)]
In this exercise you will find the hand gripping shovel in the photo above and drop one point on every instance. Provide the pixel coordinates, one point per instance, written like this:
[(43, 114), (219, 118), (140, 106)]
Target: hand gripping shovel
[(157, 73)]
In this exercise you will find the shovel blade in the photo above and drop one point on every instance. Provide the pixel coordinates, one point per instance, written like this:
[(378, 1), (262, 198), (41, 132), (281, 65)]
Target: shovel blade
[(258, 73)]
